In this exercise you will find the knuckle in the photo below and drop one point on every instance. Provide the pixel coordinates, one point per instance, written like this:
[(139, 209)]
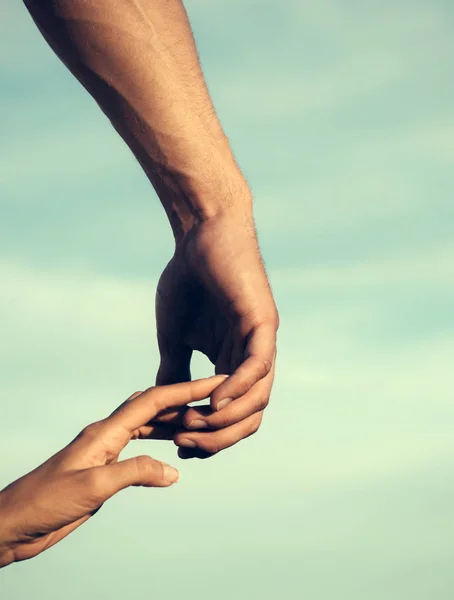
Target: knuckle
[(156, 399), (254, 426), (91, 431), (143, 466), (210, 444), (265, 367), (93, 483), (223, 421), (250, 382), (263, 403), (272, 318)]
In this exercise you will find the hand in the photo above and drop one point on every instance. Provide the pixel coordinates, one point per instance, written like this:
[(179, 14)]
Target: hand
[(214, 297), (41, 508)]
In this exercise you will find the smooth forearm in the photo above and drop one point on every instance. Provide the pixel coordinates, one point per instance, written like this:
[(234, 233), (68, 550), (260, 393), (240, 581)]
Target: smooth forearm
[(138, 59)]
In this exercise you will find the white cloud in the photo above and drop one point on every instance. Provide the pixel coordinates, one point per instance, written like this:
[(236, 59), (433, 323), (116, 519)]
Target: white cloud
[(434, 266), (360, 417), (103, 307), (74, 346), (366, 53), (59, 155)]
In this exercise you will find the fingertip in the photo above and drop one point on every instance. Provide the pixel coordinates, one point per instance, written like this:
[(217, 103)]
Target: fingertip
[(184, 454), (170, 474), (223, 403), (188, 453), (220, 377), (218, 396)]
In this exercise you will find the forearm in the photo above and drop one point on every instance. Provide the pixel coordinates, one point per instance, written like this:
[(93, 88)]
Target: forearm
[(138, 59)]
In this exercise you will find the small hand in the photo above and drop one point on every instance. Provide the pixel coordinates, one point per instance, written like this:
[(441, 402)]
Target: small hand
[(41, 508), (214, 297)]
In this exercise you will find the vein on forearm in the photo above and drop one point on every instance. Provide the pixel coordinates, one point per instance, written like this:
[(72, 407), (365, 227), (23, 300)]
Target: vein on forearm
[(139, 61)]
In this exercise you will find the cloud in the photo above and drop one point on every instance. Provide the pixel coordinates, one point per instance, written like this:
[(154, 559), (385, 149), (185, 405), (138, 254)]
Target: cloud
[(73, 331), (59, 155), (33, 295), (343, 121), (300, 80), (29, 56), (434, 266), (59, 323)]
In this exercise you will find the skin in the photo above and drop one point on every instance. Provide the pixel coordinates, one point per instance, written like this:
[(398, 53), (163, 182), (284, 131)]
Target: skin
[(201, 305), (72, 485), (138, 60)]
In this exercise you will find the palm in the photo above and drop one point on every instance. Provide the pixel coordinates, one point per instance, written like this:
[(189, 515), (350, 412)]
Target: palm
[(189, 318), (208, 296), (214, 297)]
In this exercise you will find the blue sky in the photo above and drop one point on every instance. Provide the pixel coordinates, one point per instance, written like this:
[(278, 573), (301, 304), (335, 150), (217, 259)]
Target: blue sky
[(341, 115)]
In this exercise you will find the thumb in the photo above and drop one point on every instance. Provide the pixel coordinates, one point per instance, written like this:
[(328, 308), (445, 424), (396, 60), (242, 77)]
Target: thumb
[(175, 363), (137, 471)]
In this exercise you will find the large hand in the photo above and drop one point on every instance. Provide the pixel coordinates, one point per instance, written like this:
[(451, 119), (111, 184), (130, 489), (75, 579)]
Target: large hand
[(44, 506), (214, 297)]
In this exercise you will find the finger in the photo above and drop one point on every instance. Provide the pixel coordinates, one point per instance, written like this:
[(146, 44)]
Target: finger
[(172, 417), (259, 356), (238, 353), (213, 442), (131, 397), (223, 362), (138, 412), (187, 453), (161, 428), (256, 400), (138, 471), (153, 431), (175, 362)]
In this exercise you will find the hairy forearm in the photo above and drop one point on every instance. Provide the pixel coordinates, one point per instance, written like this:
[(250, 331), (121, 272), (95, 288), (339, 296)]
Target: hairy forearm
[(138, 59)]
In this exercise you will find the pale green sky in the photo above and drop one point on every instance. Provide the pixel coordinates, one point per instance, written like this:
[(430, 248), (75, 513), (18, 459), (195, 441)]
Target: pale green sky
[(341, 114)]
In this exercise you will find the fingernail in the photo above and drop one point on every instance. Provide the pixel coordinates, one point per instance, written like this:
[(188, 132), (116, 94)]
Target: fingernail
[(170, 474), (223, 403), (187, 443), (197, 424)]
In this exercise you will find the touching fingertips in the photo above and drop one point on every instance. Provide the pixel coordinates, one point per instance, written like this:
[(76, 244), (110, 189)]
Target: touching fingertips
[(223, 403), (186, 443), (197, 424)]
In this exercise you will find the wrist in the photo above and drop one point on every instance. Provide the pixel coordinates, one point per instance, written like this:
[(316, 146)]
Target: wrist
[(201, 187), (208, 201)]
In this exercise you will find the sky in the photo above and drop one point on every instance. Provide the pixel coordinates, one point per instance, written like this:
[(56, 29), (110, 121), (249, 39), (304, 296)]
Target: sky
[(341, 115)]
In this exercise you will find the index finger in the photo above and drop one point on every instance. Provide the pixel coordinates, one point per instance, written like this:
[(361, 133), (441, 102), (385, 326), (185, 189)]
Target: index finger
[(143, 408), (259, 357)]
